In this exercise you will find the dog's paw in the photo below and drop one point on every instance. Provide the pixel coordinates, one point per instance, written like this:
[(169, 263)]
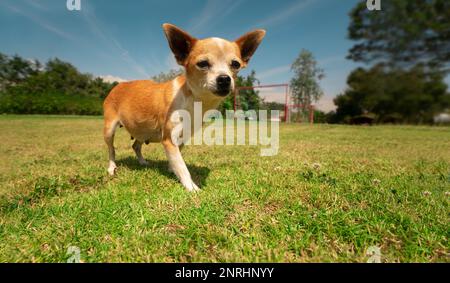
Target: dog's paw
[(143, 162), (112, 170), (192, 187)]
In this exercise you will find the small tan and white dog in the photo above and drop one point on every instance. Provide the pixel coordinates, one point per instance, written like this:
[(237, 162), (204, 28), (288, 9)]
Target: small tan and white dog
[(144, 107)]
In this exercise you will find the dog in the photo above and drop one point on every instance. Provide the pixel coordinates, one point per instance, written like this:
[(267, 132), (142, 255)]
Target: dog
[(145, 107)]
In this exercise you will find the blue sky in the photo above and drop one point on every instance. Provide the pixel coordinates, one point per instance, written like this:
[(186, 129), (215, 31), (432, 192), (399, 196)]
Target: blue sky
[(124, 39)]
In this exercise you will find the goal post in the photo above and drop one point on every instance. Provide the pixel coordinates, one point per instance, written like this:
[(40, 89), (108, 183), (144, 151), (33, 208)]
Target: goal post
[(275, 97)]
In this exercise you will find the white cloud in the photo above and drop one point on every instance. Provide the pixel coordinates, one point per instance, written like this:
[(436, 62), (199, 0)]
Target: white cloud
[(279, 97), (273, 94), (111, 79), (325, 104), (267, 74)]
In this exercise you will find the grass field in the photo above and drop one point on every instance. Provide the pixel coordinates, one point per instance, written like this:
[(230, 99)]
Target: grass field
[(330, 194)]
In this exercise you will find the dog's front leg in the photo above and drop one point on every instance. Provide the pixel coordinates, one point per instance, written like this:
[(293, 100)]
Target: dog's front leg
[(178, 165)]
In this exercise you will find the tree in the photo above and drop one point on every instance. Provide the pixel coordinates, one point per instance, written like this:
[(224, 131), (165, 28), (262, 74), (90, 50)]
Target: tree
[(305, 83), (403, 33), (320, 117), (3, 71), (14, 70), (58, 88), (164, 77), (407, 45), (273, 105), (393, 95), (248, 99)]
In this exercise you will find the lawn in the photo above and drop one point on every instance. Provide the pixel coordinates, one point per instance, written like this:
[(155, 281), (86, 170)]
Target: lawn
[(330, 194)]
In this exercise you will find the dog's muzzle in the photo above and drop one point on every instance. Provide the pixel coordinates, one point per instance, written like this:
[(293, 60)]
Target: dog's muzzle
[(223, 83)]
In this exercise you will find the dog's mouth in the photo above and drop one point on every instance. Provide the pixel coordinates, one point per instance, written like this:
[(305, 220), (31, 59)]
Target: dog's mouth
[(222, 92)]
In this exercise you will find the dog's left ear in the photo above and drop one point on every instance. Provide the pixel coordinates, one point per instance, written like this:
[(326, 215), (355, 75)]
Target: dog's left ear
[(249, 42), (180, 42)]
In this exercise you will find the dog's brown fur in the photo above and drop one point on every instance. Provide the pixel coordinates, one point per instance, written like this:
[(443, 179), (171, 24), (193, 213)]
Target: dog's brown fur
[(144, 107)]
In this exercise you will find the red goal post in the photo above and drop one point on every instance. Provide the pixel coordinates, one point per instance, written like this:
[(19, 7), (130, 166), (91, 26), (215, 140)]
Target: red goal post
[(288, 105)]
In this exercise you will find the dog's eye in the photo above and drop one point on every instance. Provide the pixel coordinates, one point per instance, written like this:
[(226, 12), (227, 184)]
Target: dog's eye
[(204, 64), (235, 64)]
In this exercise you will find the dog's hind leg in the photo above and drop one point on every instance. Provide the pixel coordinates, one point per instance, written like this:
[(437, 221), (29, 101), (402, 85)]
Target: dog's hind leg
[(108, 133), (137, 147)]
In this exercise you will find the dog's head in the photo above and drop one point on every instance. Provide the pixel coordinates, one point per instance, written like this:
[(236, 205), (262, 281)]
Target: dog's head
[(212, 64)]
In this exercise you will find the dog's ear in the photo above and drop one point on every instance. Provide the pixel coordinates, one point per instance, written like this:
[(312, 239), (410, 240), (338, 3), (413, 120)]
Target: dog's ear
[(180, 42), (249, 42)]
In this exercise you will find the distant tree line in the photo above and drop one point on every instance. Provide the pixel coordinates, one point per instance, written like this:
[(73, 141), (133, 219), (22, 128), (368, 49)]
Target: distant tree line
[(383, 95), (167, 76), (56, 87)]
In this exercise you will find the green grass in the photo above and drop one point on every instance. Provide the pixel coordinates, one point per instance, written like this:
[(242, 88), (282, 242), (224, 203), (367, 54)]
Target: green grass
[(330, 194)]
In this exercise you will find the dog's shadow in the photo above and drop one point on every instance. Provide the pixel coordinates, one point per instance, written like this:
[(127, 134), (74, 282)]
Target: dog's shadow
[(199, 174)]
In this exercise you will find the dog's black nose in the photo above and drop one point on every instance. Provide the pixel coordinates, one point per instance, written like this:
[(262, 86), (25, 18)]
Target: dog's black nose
[(223, 82)]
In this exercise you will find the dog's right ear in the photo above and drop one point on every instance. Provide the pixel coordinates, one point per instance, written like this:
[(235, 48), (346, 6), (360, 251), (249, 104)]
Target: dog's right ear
[(180, 42)]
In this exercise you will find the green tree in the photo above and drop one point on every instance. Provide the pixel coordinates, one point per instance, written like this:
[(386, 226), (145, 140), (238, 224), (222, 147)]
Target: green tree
[(14, 70), (407, 44), (393, 95), (57, 88), (3, 71), (248, 99), (170, 75), (404, 32), (64, 77), (305, 85), (273, 106), (98, 87)]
